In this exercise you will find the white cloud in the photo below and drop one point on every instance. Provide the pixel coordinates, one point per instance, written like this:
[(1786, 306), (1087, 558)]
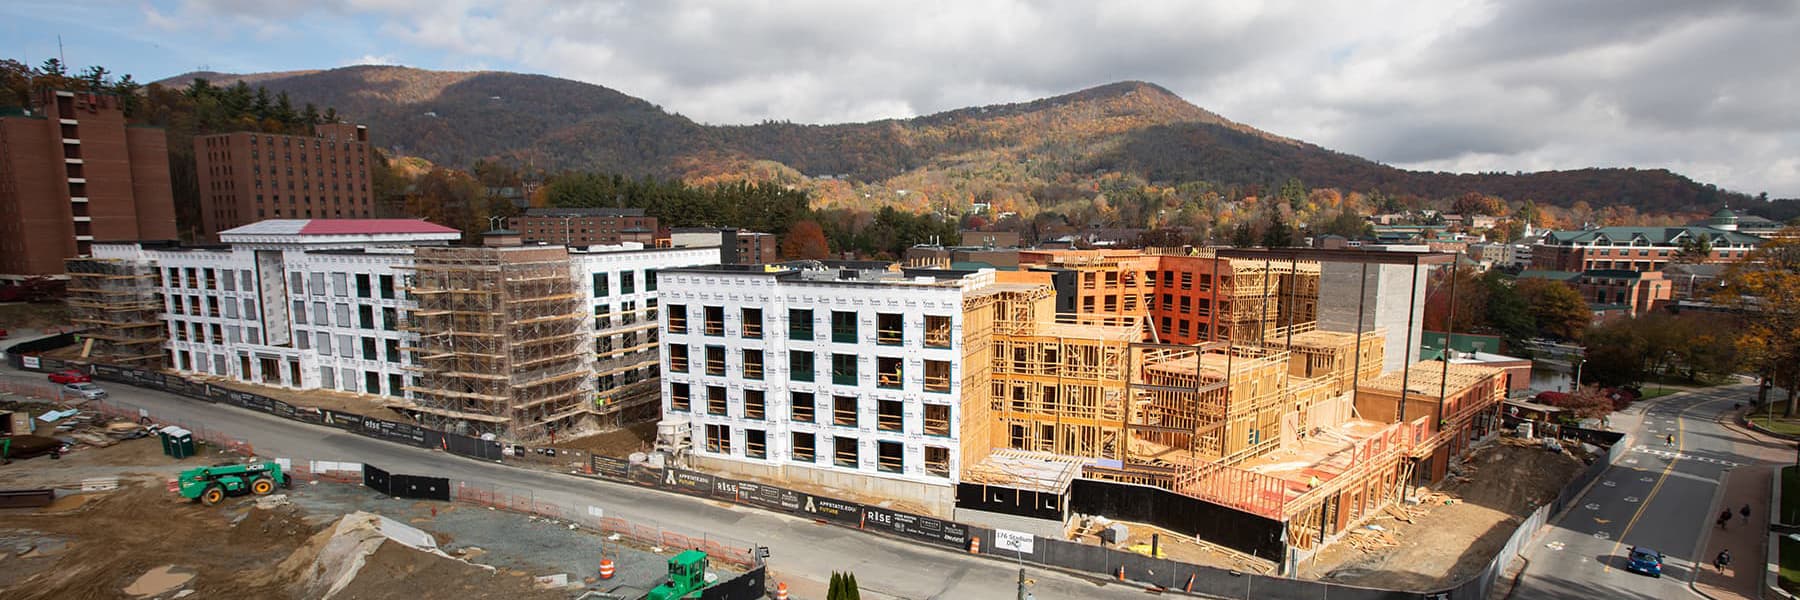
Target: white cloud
[(1700, 87), (370, 59)]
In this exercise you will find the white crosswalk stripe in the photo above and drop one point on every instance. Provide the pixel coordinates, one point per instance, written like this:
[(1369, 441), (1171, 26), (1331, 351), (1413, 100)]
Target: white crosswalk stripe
[(1684, 456)]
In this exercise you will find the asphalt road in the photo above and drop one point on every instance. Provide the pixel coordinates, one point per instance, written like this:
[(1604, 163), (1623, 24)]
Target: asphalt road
[(1657, 495), (799, 548)]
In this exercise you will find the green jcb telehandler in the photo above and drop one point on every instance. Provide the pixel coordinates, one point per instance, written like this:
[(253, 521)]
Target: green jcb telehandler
[(211, 484), (687, 577)]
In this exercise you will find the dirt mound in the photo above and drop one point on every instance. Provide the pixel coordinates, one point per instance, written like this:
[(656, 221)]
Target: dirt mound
[(397, 572)]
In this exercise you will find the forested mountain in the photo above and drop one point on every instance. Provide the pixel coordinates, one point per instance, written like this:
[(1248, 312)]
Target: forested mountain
[(1027, 154)]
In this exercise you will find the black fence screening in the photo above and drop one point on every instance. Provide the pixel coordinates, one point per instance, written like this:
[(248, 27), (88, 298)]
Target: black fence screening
[(752, 585), (417, 487), (1248, 533)]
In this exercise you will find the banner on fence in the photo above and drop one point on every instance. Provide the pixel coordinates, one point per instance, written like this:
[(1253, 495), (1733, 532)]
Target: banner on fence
[(32, 362)]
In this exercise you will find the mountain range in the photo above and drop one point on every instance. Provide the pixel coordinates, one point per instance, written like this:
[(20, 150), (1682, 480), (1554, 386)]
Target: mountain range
[(1042, 151)]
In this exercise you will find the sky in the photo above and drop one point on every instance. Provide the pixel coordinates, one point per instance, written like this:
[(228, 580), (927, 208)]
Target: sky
[(1707, 88)]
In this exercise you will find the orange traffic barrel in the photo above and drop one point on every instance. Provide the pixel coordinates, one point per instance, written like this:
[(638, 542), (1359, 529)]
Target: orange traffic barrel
[(781, 591), (974, 545), (606, 568)]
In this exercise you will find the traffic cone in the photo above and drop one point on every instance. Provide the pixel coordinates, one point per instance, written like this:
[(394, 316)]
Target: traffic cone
[(1121, 572), (781, 591), (606, 568), (974, 545)]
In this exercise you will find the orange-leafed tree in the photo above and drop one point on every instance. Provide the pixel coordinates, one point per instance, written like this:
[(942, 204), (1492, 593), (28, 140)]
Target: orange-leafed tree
[(1761, 290), (805, 241)]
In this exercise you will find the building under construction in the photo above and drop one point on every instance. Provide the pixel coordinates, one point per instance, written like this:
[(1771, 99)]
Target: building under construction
[(503, 343), (120, 303)]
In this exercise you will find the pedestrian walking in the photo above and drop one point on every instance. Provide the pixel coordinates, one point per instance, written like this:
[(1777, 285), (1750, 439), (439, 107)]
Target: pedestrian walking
[(1723, 560), (1670, 440), (1745, 512), (1724, 517)]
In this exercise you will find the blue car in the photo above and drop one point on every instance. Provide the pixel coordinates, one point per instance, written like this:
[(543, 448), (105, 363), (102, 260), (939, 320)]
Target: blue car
[(1644, 560)]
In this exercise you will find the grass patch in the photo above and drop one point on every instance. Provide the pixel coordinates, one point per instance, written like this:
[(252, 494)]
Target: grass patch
[(1790, 494), (1658, 392), (1777, 424), (1790, 564)]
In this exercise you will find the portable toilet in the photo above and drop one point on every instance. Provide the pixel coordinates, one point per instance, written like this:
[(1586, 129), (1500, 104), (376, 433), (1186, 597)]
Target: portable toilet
[(177, 442)]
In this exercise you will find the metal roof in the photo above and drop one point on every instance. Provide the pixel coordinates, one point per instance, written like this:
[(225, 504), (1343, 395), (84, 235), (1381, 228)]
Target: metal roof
[(338, 227)]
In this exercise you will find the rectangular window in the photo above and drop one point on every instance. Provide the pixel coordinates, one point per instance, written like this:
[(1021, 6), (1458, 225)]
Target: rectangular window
[(343, 315), (753, 323), (364, 289), (328, 378), (677, 318), (937, 376), (390, 350), (303, 341), (649, 280), (229, 283), (627, 282), (371, 382), (340, 284), (316, 283), (678, 397), (937, 461), (231, 311), (937, 331), (755, 407), (843, 369), (296, 281), (678, 359), (368, 348), (753, 363), (800, 365), (844, 453), (715, 320), (937, 419), (395, 386), (843, 411), (387, 287), (365, 316), (601, 285), (843, 327), (715, 400), (324, 344), (756, 444), (390, 319), (888, 374), (890, 415), (1187, 281), (804, 450), (800, 405), (715, 360), (249, 308), (890, 329), (299, 311), (718, 439), (800, 324), (891, 457)]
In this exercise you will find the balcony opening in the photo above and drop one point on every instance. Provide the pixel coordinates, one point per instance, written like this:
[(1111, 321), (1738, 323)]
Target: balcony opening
[(843, 327), (753, 363), (801, 407), (678, 397), (937, 419), (889, 415), (677, 318), (891, 457), (937, 461), (845, 452), (715, 400), (715, 320), (843, 411), (843, 369), (889, 373), (754, 405), (753, 323), (715, 360), (804, 450), (937, 376), (890, 329), (937, 331)]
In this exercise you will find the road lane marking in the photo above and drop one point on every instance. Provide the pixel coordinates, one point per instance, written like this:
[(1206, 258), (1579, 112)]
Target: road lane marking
[(1684, 456), (1680, 440)]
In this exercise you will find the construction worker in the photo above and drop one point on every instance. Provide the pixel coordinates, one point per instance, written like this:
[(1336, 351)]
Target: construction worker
[(1312, 482), (1670, 440)]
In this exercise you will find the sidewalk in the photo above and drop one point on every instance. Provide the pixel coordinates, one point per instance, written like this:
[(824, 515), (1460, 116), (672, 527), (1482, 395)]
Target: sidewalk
[(1748, 541)]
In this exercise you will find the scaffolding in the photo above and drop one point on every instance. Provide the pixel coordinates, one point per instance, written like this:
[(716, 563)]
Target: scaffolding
[(503, 347), (120, 304)]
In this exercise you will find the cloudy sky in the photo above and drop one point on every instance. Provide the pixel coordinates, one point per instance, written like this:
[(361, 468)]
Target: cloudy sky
[(1708, 88)]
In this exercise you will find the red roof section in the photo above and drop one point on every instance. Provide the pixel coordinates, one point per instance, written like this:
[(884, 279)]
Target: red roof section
[(372, 226)]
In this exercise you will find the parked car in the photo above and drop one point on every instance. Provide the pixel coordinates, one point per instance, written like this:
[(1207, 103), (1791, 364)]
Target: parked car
[(1644, 560), (70, 376), (85, 390), (2, 334)]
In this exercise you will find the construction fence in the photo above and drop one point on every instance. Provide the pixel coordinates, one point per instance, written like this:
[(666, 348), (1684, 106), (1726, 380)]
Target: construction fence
[(1160, 574)]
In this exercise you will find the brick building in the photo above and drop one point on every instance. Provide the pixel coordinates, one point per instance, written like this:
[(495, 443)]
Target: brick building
[(738, 246), (246, 177), (1635, 248), (585, 226), (72, 172)]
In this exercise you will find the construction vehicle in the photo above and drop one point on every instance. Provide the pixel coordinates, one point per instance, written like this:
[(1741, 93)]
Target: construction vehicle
[(211, 484), (687, 577)]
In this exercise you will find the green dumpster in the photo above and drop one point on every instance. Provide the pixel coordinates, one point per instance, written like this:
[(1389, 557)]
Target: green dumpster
[(177, 442)]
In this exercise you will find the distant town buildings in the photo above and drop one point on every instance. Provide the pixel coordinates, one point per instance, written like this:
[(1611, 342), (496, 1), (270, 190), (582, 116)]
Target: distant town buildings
[(1641, 249), (247, 177), (73, 173), (585, 226)]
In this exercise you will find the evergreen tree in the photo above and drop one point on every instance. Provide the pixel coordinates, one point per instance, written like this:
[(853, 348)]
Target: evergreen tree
[(262, 107), (127, 90), (1278, 235), (309, 116), (284, 110), (96, 78)]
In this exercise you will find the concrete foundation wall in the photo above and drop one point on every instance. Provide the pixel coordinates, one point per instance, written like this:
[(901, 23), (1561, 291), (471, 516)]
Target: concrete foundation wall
[(937, 500), (1392, 297), (1038, 527)]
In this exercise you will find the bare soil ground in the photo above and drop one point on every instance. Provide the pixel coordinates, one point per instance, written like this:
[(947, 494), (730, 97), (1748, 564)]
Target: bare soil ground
[(144, 539), (618, 443), (33, 315), (1501, 484)]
